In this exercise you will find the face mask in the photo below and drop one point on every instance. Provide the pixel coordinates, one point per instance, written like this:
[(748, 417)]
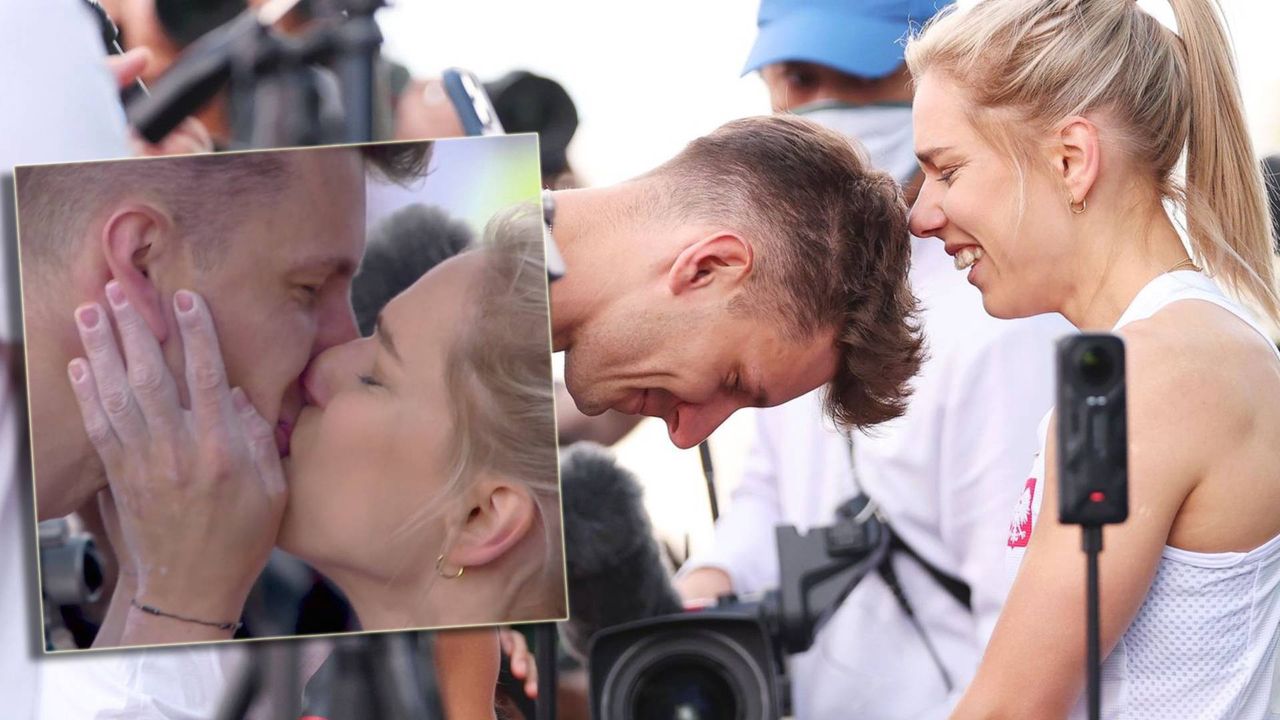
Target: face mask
[(885, 131)]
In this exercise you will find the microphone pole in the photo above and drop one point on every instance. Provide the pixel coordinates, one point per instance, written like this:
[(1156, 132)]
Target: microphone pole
[(709, 474), (545, 636)]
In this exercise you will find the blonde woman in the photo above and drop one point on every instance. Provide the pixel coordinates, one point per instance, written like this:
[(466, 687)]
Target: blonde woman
[(1049, 132), (423, 471)]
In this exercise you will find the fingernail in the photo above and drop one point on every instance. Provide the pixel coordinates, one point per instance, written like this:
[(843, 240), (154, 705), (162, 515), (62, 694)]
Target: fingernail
[(239, 399), (115, 294), (87, 316), (184, 301), (76, 370)]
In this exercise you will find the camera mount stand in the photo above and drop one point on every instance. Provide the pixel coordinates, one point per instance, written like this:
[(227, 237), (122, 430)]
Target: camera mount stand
[(820, 568)]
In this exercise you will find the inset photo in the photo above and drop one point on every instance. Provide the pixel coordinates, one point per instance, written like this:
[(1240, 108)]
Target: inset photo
[(291, 392)]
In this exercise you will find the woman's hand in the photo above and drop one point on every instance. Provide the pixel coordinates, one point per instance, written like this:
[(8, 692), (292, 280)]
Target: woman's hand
[(523, 666), (199, 493)]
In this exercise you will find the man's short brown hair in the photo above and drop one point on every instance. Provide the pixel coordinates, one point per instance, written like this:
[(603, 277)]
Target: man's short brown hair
[(832, 248), (203, 192)]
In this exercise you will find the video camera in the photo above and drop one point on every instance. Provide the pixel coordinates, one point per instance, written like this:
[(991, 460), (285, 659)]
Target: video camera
[(729, 661), (71, 574), (278, 95)]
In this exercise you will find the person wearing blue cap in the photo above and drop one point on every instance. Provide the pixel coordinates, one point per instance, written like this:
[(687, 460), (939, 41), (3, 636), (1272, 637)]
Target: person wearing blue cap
[(840, 64), (944, 474)]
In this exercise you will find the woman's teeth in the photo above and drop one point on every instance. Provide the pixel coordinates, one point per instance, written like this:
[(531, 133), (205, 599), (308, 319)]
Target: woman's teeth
[(967, 257)]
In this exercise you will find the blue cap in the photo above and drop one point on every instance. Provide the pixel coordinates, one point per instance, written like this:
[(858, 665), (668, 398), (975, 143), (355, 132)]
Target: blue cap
[(858, 37)]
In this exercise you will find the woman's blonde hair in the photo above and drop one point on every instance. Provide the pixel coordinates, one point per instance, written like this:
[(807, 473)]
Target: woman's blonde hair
[(1028, 64), (498, 372)]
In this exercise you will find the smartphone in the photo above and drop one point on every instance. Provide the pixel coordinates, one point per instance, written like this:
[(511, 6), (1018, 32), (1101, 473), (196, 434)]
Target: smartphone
[(471, 102)]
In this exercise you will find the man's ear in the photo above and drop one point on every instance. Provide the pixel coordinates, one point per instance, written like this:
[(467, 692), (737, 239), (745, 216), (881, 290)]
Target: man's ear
[(719, 257), (132, 238), (499, 516), (1077, 155)]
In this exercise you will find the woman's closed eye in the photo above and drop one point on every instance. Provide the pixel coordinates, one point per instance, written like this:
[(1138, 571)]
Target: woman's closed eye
[(369, 380)]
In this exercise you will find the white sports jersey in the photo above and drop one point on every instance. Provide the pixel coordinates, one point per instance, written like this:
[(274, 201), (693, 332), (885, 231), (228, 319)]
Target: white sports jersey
[(1203, 644)]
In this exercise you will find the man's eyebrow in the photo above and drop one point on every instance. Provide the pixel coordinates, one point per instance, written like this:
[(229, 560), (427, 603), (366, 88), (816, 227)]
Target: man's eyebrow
[(337, 264), (928, 155), (384, 336)]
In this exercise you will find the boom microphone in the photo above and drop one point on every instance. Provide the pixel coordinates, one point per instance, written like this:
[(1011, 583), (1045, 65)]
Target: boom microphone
[(615, 571)]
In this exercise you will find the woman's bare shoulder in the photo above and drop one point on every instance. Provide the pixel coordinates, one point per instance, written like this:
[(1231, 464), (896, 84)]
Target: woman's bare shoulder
[(1197, 374)]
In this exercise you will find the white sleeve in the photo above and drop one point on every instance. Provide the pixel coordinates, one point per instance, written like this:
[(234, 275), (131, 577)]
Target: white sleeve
[(186, 683), (744, 545), (998, 395), (19, 617), (61, 103)]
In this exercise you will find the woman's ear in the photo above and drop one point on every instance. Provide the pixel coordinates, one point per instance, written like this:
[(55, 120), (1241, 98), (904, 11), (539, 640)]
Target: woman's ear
[(721, 254), (132, 240), (1078, 156), (500, 515)]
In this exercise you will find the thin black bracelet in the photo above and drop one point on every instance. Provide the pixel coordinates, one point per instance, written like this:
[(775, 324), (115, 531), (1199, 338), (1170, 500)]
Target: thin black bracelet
[(232, 626)]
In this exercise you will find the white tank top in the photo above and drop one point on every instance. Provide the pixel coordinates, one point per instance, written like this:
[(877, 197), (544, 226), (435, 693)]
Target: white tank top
[(1203, 644)]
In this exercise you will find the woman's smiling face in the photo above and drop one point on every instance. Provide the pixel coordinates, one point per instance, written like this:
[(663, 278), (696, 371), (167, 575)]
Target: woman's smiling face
[(372, 449), (1007, 229)]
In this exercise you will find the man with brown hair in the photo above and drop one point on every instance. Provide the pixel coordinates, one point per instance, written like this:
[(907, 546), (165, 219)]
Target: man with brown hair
[(764, 260)]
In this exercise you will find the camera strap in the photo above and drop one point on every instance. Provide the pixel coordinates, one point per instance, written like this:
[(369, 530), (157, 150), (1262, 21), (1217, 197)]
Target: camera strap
[(954, 586)]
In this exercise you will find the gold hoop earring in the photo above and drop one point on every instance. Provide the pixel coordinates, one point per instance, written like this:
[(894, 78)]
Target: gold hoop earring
[(440, 570), (1072, 204)]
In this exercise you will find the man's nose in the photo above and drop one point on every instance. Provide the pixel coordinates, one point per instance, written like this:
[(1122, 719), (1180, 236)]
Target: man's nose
[(336, 325), (334, 370), (926, 218), (697, 424)]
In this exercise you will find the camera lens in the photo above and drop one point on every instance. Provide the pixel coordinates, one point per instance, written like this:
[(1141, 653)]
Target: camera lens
[(689, 673), (685, 688), (1096, 366)]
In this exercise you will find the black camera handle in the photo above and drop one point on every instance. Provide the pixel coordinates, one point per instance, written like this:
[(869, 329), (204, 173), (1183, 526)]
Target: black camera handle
[(818, 570)]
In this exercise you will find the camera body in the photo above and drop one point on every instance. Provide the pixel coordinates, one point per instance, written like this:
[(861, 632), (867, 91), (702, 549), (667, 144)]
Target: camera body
[(1092, 430), (729, 662)]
